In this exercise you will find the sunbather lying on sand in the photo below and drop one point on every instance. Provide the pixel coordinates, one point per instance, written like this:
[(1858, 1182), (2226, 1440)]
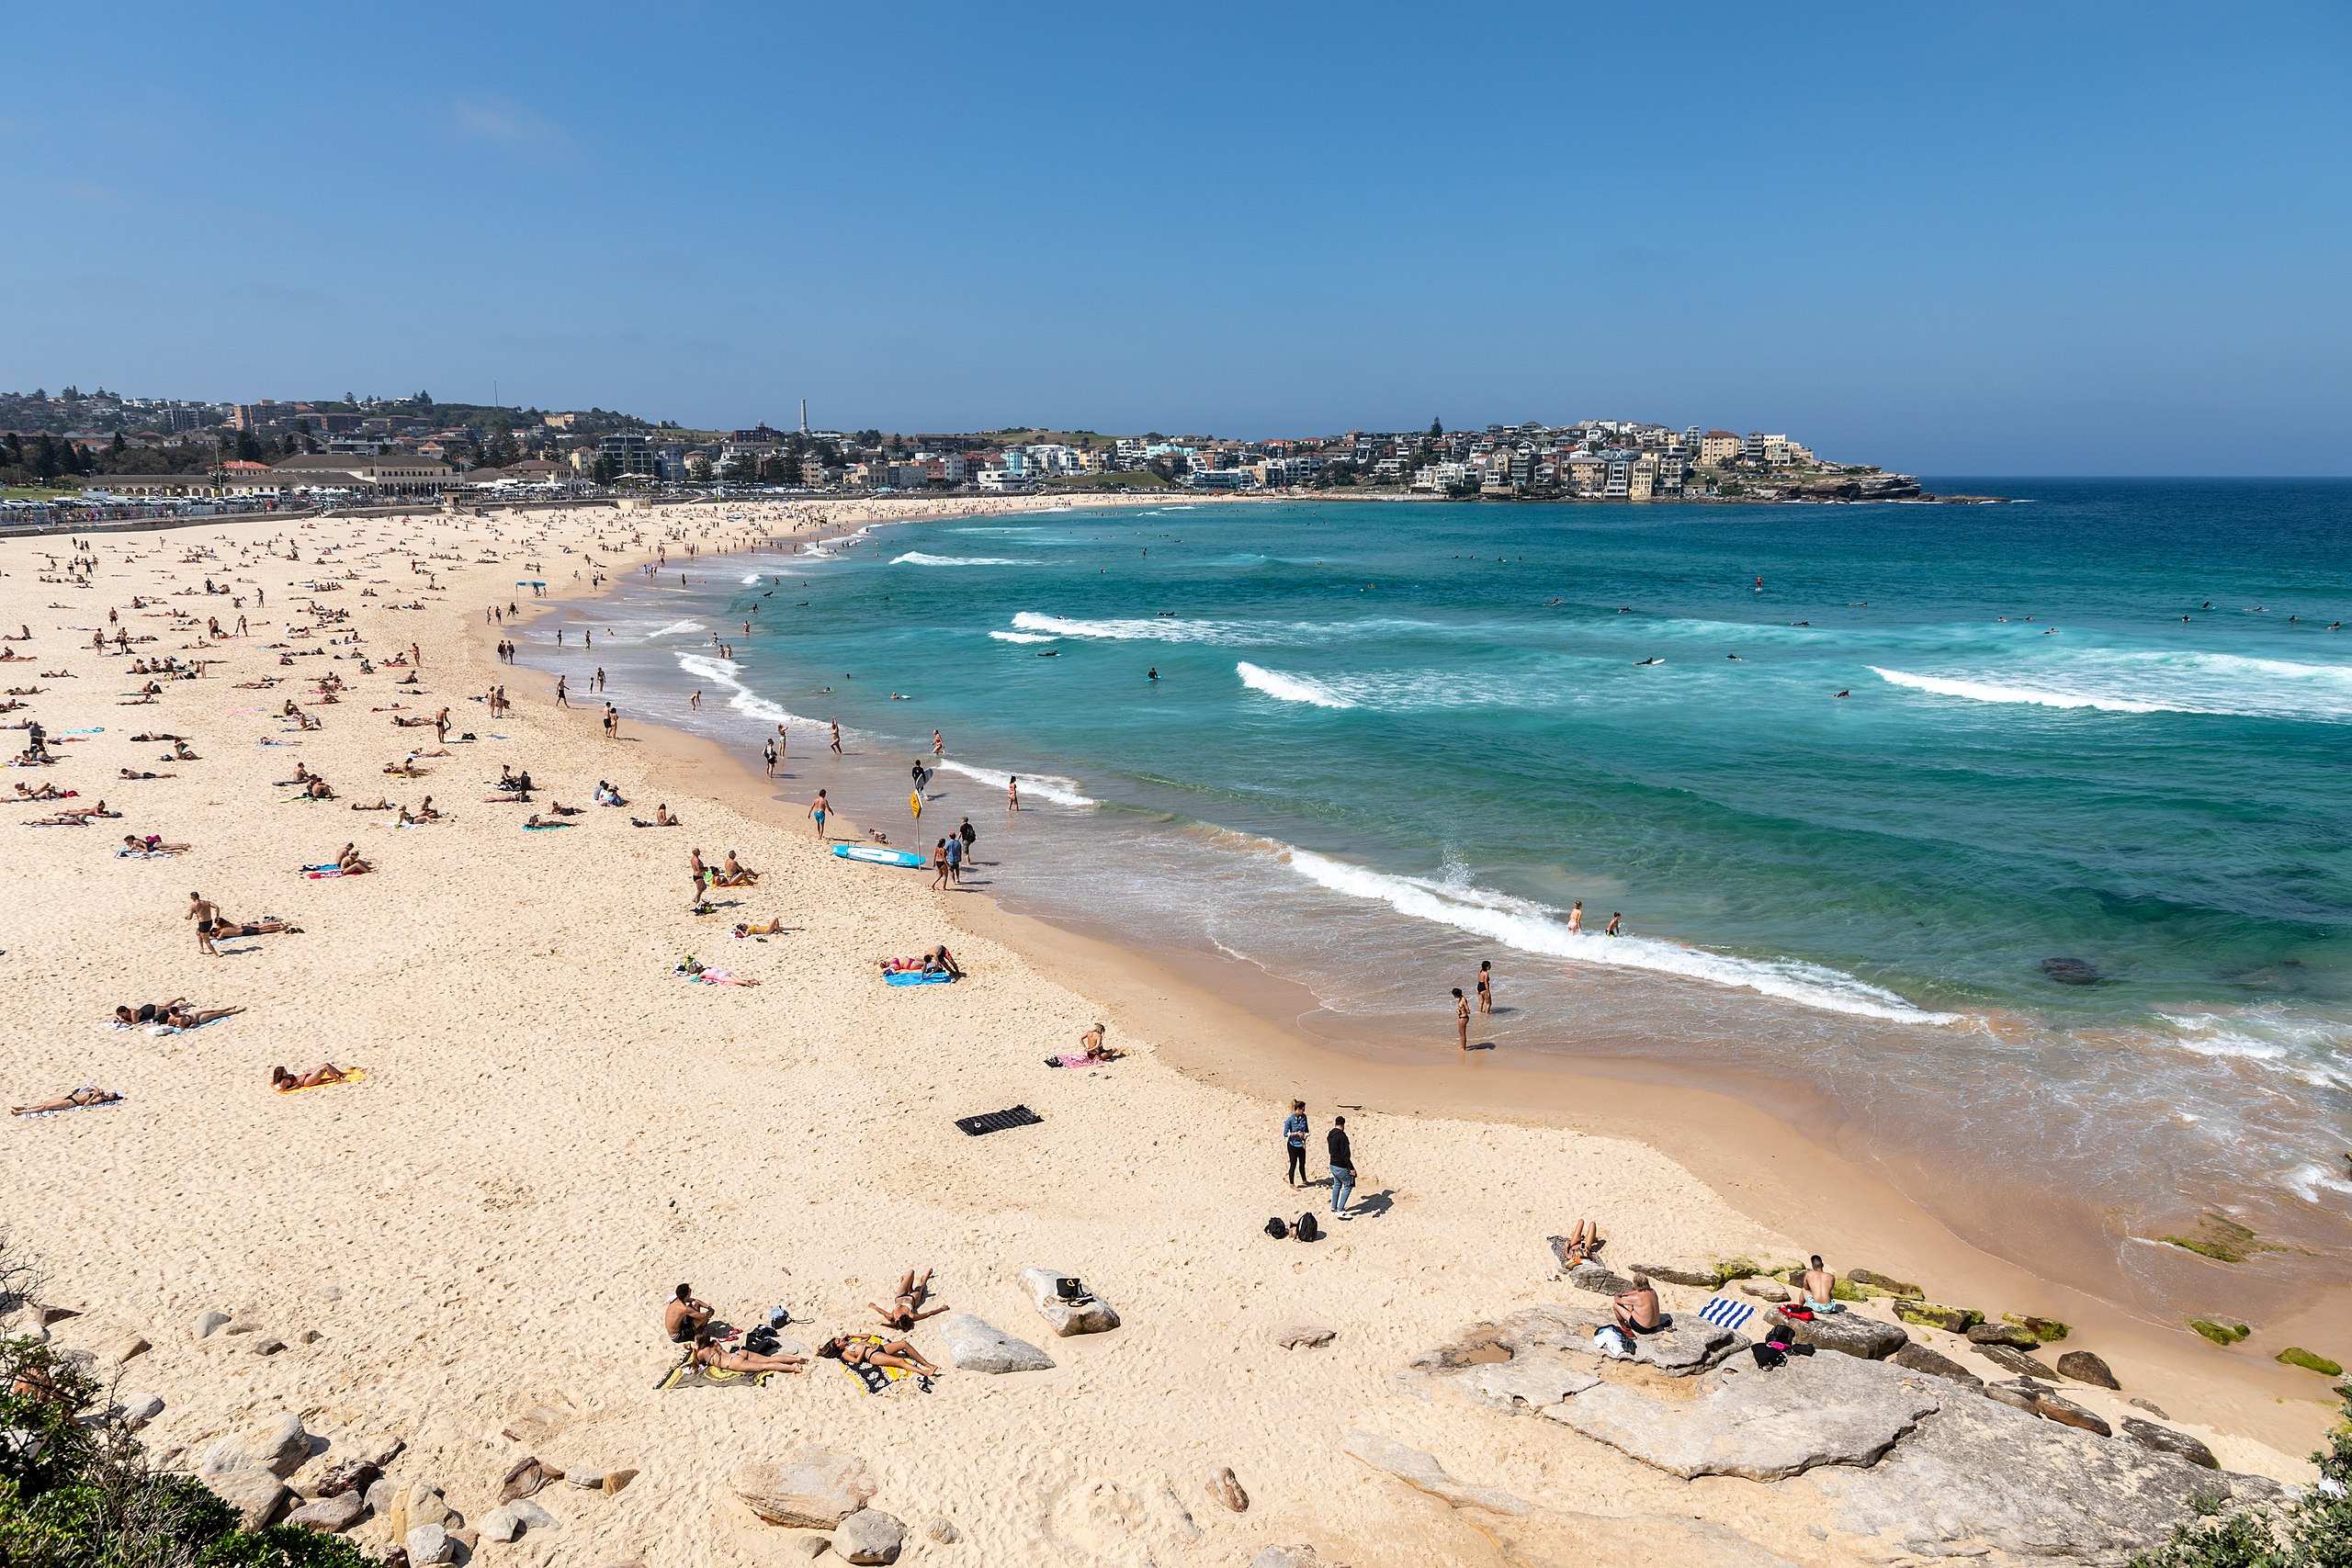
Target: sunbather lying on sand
[(761, 928), (906, 1309), (175, 1013), (152, 844), (935, 961), (1582, 1246), (326, 1072), (46, 791), (707, 1354), (382, 805), (863, 1352), (86, 1095), (538, 821)]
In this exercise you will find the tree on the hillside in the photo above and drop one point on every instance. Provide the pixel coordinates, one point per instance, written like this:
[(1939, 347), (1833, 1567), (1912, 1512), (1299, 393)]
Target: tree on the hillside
[(1437, 429)]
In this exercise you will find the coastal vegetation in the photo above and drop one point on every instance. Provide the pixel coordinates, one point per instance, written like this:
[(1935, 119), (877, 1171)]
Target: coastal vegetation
[(2312, 1532)]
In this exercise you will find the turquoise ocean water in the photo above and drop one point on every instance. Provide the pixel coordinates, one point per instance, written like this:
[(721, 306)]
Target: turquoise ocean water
[(2062, 887)]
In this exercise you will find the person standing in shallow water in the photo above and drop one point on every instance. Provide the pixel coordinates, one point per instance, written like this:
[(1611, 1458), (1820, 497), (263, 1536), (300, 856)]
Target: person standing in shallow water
[(1461, 1020), (1485, 987)]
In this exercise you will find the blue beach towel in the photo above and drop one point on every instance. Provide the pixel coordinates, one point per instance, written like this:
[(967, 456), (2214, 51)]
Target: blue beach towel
[(916, 977), (1725, 1312)]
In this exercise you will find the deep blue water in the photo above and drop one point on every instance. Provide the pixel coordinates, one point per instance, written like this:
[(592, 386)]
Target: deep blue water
[(1388, 740)]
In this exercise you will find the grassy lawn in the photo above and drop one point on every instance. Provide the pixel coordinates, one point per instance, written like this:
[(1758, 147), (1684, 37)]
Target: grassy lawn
[(35, 492)]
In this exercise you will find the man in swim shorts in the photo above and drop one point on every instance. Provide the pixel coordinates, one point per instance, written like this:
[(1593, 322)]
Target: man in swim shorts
[(819, 808)]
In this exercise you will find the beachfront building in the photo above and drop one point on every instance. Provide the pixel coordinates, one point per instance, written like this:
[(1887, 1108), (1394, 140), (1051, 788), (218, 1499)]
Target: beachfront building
[(1718, 446), (391, 474)]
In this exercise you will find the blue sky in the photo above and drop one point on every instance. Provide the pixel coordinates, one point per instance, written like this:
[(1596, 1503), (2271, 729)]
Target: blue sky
[(2080, 238)]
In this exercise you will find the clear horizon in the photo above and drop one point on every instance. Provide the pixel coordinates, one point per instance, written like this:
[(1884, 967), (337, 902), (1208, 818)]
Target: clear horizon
[(2013, 242)]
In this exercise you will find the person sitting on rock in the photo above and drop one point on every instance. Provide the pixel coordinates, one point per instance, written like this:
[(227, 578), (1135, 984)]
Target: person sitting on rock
[(1636, 1311), (1821, 1287), (684, 1316), (708, 1354)]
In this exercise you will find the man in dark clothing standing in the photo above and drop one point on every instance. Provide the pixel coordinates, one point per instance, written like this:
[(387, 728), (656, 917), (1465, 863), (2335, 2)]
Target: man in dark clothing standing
[(1343, 1168)]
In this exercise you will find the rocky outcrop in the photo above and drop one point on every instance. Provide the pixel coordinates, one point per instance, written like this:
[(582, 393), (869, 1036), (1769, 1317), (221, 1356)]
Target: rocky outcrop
[(1759, 1423), (2164, 1440), (1689, 1345), (334, 1515), (1918, 1358), (1305, 1336), (2084, 1367), (1535, 1381), (816, 1489), (1978, 1478), (1421, 1471), (255, 1494), (975, 1345), (2014, 1360)]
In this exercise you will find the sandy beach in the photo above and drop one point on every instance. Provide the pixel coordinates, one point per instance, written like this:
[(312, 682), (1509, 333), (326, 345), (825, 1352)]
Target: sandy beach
[(556, 1127)]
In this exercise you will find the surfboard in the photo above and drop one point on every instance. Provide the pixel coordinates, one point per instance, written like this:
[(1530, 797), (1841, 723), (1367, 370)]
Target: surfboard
[(874, 854)]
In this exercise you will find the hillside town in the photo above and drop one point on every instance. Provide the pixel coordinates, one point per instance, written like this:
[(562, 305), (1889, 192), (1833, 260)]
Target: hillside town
[(103, 448)]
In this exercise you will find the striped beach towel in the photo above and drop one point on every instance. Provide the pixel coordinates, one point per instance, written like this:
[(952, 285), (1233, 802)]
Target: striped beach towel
[(1725, 1312)]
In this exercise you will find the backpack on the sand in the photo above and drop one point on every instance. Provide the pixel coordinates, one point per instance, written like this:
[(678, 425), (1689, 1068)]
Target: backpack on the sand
[(1307, 1229), (1275, 1228)]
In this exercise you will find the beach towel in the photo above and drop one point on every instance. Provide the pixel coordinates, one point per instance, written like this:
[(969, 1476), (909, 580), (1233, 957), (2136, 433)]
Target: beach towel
[(873, 1378), (989, 1121), (1074, 1062), (917, 977), (101, 1105), (351, 1075), (175, 1029), (720, 977), (543, 826), (687, 1375), (1725, 1312), (127, 853)]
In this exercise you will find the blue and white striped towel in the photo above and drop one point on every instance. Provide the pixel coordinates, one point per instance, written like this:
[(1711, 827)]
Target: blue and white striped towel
[(1725, 1312)]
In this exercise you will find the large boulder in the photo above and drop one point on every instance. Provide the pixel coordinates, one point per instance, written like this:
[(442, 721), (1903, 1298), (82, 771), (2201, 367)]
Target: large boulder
[(1599, 1278), (2164, 1440), (1919, 1358), (138, 1407), (1535, 1381), (280, 1445), (428, 1544), (816, 1489), (2011, 1360), (1758, 1423), (1687, 1345), (1680, 1274), (869, 1536), (334, 1515), (1976, 1479), (1848, 1333), (1091, 1316), (977, 1346), (255, 1494), (2084, 1367)]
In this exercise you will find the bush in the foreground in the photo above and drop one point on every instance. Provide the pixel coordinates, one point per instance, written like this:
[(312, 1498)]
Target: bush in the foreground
[(2314, 1531), (77, 1490)]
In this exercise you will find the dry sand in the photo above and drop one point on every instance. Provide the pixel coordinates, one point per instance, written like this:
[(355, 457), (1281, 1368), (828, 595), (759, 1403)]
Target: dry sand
[(556, 1130)]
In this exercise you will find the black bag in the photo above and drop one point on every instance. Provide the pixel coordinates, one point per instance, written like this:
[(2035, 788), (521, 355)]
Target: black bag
[(1279, 1231), (1307, 1229), (761, 1341), (1071, 1290)]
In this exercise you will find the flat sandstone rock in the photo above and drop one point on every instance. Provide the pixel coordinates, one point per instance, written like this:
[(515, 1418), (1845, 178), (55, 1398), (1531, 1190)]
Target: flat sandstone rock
[(975, 1345), (1092, 1315)]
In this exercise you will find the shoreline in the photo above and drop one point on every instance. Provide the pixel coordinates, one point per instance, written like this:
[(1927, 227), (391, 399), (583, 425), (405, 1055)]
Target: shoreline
[(476, 1240), (1776, 1170)]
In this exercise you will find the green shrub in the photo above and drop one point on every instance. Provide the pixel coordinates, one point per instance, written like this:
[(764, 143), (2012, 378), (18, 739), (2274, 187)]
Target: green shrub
[(77, 1495), (2314, 1531)]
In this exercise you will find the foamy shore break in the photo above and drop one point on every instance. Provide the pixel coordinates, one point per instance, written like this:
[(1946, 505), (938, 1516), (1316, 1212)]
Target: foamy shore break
[(468, 1253)]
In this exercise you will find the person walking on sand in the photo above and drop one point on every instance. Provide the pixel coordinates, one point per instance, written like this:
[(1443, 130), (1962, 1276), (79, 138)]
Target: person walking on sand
[(837, 738), (819, 808), (768, 752), (938, 866), (1295, 1142), (1013, 793), (955, 845), (1460, 1020), (1343, 1168), (562, 692), (612, 722), (1485, 987)]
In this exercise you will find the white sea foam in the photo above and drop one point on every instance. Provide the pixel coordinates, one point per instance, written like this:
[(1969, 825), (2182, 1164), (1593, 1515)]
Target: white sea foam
[(678, 628), (751, 579), (741, 698), (1044, 786), (1022, 637), (1530, 927), (916, 557), (1289, 688), (1158, 628), (2153, 681), (1987, 692)]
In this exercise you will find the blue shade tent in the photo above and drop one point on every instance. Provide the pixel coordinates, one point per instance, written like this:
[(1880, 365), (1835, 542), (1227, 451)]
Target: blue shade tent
[(529, 582)]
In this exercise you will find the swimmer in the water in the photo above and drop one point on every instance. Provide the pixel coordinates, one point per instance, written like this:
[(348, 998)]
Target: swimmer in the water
[(1844, 693), (1152, 673)]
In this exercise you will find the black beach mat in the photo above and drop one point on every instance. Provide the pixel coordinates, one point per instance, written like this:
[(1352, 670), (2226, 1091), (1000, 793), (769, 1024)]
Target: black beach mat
[(998, 1120)]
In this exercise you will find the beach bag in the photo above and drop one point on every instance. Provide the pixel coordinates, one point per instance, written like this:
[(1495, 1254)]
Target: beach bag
[(761, 1341), (1611, 1341), (1275, 1228), (1307, 1229)]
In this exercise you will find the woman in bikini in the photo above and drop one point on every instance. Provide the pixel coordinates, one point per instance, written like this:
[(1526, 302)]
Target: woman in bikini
[(906, 1309), (88, 1094), (284, 1082), (861, 1351), (706, 1353)]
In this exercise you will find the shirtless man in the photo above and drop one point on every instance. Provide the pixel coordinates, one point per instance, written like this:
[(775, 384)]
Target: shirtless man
[(1636, 1311), (699, 875), (820, 807), (1821, 1287), (211, 922), (684, 1315), (906, 1309)]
